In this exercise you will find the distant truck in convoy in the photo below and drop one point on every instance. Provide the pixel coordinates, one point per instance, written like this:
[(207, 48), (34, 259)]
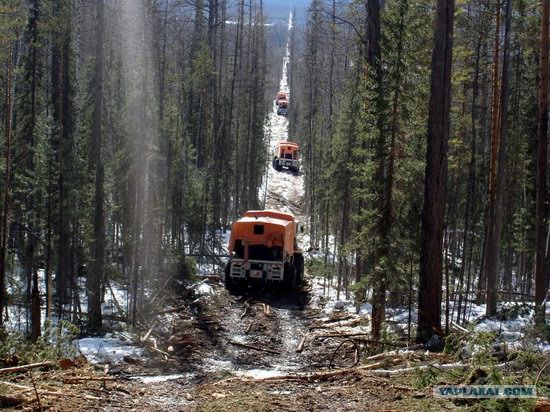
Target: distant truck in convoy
[(263, 250), (281, 96), (287, 156), (282, 110)]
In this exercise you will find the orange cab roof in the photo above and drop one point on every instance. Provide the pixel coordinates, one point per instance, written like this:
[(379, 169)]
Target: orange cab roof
[(290, 144), (269, 213), (279, 228)]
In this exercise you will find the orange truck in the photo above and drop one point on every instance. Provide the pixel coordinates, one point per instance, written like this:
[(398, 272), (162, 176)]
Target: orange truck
[(281, 96), (282, 110), (263, 250), (287, 156)]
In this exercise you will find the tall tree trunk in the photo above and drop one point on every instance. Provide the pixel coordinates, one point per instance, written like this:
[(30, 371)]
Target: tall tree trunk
[(542, 154), (429, 297), (470, 207), (7, 181), (31, 213), (494, 223), (495, 116), (384, 181), (96, 275)]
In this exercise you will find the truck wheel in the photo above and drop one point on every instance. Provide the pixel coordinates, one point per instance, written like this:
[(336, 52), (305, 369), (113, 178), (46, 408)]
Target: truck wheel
[(299, 264), (228, 283), (289, 276)]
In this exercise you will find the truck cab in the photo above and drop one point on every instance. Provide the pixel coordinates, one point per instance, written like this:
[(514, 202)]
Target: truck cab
[(281, 96), (287, 156), (263, 250), (282, 110)]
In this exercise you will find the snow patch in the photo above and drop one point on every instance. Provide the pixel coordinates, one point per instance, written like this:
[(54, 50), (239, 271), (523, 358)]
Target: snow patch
[(260, 373), (203, 289), (107, 350), (162, 378)]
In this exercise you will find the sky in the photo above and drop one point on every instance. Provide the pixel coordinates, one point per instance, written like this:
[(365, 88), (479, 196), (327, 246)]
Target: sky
[(279, 9)]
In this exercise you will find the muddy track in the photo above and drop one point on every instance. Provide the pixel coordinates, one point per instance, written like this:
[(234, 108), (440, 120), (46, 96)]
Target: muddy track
[(257, 332)]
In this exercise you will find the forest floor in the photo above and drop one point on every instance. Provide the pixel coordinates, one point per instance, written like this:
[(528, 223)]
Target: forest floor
[(256, 351)]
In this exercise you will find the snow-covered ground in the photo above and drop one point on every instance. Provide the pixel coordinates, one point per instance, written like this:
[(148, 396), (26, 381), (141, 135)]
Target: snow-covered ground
[(107, 349), (283, 190)]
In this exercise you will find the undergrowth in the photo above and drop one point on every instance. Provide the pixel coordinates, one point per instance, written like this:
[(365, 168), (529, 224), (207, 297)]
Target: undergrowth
[(54, 344)]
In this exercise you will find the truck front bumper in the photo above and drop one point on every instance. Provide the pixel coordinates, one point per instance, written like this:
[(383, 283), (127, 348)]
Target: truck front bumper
[(290, 163), (260, 270)]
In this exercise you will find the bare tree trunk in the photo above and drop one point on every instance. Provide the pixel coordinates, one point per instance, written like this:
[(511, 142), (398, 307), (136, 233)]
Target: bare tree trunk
[(96, 275), (7, 182), (541, 283), (429, 298), (495, 116), (494, 225), (470, 207)]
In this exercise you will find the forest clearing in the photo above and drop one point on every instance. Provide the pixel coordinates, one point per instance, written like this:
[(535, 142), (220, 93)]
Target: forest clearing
[(208, 207)]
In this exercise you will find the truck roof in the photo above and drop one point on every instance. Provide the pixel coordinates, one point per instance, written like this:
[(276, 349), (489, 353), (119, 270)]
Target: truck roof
[(277, 225), (276, 214), (291, 144)]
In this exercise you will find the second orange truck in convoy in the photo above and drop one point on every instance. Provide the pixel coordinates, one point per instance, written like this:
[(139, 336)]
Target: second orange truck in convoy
[(287, 156), (263, 250)]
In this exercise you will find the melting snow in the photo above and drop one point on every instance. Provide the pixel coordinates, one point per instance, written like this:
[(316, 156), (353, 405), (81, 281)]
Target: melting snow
[(204, 288), (162, 378), (260, 373), (107, 349)]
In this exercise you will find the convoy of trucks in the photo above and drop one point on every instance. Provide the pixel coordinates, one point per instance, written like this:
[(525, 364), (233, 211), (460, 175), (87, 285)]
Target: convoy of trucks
[(263, 248)]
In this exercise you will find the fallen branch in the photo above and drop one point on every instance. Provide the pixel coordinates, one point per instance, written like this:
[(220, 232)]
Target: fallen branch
[(459, 328), (339, 319), (47, 392), (114, 298), (169, 310), (211, 277), (247, 331), (149, 331), (244, 345), (355, 346), (301, 344), (389, 354), (166, 354), (540, 373), (359, 369), (89, 378), (163, 288), (35, 390), (393, 372), (341, 335), (245, 311), (351, 323), (25, 367)]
